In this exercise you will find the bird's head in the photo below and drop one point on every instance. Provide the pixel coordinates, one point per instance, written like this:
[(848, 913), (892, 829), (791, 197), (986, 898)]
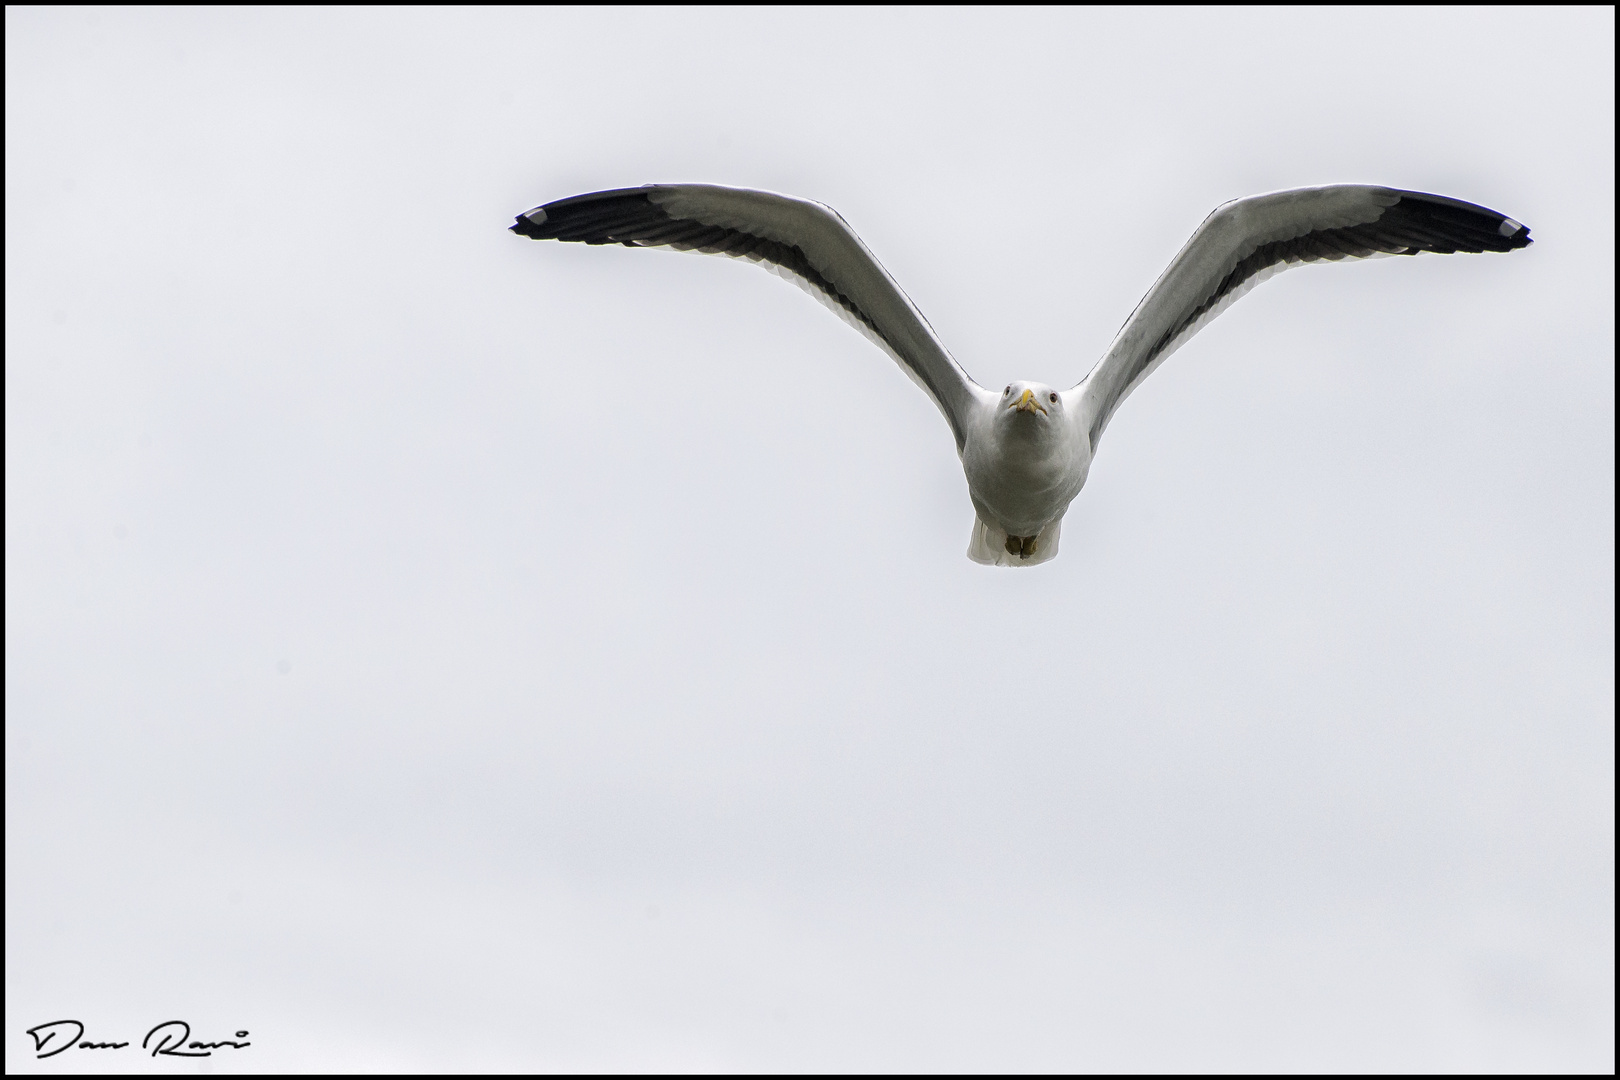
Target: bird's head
[(1026, 403)]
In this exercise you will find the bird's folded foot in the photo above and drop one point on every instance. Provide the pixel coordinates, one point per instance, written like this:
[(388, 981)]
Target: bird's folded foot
[(1021, 546)]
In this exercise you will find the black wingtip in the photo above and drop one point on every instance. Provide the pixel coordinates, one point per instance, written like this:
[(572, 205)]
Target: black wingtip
[(533, 225), (1517, 235), (1454, 225)]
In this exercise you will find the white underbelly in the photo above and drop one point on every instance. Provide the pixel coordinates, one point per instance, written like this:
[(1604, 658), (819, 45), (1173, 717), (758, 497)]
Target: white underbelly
[(1022, 497)]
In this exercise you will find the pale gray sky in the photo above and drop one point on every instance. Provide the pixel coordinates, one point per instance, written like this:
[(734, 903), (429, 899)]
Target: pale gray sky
[(427, 648)]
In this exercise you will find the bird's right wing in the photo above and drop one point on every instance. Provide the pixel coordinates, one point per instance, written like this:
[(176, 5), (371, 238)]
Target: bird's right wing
[(1248, 240), (804, 241)]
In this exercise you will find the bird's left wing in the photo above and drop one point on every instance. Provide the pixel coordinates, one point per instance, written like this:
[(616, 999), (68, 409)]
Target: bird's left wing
[(1248, 240), (801, 240)]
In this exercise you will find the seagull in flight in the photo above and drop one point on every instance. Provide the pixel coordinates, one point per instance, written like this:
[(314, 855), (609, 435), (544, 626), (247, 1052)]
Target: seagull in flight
[(1027, 449)]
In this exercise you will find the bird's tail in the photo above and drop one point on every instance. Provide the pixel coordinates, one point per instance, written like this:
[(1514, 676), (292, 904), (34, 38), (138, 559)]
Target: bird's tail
[(989, 545)]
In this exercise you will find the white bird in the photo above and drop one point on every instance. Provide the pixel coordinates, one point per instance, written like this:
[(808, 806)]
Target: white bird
[(1027, 450)]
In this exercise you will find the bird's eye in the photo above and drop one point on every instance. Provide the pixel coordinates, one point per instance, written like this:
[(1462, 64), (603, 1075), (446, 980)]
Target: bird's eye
[(1052, 398), (1007, 391)]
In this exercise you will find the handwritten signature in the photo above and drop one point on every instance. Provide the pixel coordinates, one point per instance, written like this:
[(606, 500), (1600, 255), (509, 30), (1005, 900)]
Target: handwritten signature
[(170, 1039)]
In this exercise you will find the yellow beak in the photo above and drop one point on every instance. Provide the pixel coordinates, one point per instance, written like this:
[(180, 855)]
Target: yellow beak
[(1027, 403)]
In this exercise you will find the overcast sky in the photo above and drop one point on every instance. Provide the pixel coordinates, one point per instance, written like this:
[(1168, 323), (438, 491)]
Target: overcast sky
[(427, 648)]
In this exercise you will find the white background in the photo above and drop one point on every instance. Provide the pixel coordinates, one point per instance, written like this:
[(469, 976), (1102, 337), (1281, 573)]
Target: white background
[(427, 648)]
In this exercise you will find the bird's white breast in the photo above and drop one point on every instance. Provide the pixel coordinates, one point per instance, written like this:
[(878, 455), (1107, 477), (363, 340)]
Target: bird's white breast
[(1024, 477)]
